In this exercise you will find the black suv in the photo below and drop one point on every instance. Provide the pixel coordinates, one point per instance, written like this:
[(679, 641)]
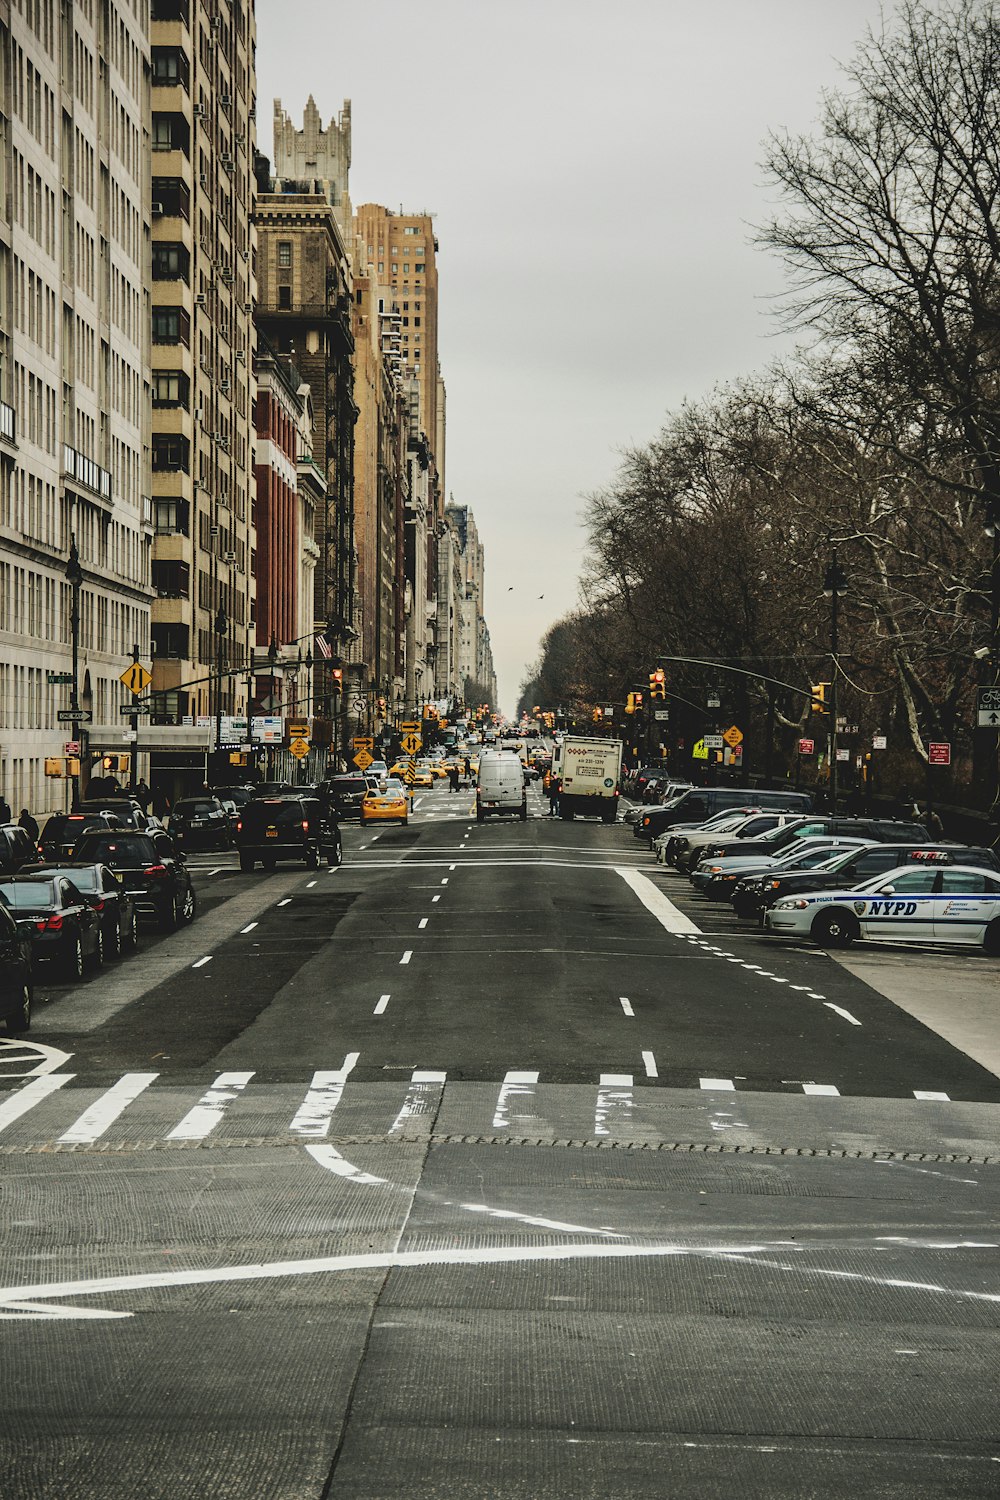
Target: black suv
[(16, 848), (200, 823), (855, 866), (16, 992), (281, 828), (151, 869), (345, 795)]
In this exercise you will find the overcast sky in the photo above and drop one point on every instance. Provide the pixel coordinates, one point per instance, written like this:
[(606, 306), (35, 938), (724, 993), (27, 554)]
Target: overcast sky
[(593, 169)]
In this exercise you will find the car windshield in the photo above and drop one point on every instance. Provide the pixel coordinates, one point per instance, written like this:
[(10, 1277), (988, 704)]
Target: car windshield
[(84, 879), (28, 895), (111, 849), (195, 806), (810, 859), (350, 784)]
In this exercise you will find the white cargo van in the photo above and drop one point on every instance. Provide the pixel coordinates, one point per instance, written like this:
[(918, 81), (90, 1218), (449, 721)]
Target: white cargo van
[(500, 785), (589, 771)]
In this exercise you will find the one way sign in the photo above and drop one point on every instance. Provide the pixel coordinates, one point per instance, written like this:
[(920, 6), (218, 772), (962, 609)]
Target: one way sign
[(988, 708)]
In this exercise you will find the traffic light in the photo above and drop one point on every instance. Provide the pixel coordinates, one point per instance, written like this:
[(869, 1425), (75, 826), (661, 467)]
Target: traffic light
[(630, 704), (597, 715), (338, 679), (819, 704), (658, 683), (638, 701)]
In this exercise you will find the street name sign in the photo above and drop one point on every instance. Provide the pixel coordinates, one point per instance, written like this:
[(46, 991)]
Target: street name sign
[(74, 716), (61, 677), (661, 714)]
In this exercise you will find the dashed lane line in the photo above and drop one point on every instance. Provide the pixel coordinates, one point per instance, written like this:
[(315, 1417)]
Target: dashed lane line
[(626, 1005)]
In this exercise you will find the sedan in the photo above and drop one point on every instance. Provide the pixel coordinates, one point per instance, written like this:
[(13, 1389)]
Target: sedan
[(384, 807), (151, 868), (64, 928), (200, 823), (16, 990), (956, 906), (719, 879), (107, 895)]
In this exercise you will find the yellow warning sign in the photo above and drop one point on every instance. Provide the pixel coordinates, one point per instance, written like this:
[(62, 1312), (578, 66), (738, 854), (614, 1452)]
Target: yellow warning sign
[(411, 743), (363, 760), (733, 736), (699, 750), (135, 677), (299, 748)]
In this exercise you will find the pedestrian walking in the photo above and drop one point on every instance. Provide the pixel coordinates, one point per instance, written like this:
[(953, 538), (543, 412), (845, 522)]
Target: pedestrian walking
[(161, 804), (467, 768), (453, 777), (555, 787), (933, 823), (27, 822), (143, 794), (6, 816)]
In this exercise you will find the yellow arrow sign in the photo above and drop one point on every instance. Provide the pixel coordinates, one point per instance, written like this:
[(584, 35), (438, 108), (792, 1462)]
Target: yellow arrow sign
[(135, 677), (411, 743)]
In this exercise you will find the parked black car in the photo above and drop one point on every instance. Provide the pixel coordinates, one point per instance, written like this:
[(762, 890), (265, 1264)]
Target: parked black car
[(126, 810), (699, 803), (63, 831), (345, 795), (858, 865), (878, 830), (113, 903), (16, 987), (200, 823), (152, 870), (16, 848), (64, 927), (283, 828)]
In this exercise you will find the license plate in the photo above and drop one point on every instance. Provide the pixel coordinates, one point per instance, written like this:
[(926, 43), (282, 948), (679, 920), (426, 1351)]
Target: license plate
[(272, 833)]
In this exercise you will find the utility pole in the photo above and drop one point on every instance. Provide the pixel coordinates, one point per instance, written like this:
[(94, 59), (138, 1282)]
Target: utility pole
[(833, 585), (74, 577)]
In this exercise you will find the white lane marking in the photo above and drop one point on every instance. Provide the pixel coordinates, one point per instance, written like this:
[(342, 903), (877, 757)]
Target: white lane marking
[(310, 884), (821, 1088), (535, 1222), (626, 1005), (365, 846), (217, 871), (380, 1007), (453, 867), (29, 1059), (249, 927), (331, 1159), (31, 1094), (814, 996), (931, 1094), (202, 961), (18, 1301), (104, 1111), (407, 956), (614, 1102), (717, 1083), (435, 898), (374, 838), (649, 1063), (517, 1084), (287, 901), (313, 1114), (656, 902), (805, 987), (207, 1113), (422, 923), (444, 880), (842, 1012), (421, 1097)]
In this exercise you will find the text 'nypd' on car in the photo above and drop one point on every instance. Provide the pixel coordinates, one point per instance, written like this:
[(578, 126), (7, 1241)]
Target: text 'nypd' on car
[(955, 905)]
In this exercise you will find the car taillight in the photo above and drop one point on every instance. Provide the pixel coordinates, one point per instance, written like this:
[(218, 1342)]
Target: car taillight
[(239, 825), (305, 826), (156, 872), (53, 923), (98, 905)]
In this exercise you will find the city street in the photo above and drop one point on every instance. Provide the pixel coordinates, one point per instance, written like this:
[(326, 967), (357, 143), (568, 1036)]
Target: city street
[(492, 1162)]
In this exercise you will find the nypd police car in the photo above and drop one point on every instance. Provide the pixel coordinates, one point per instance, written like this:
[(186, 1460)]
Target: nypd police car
[(954, 905)]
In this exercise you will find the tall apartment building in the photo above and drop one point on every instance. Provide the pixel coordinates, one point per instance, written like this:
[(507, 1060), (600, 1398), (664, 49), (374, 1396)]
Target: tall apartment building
[(305, 311), (203, 291), (461, 519), (74, 371)]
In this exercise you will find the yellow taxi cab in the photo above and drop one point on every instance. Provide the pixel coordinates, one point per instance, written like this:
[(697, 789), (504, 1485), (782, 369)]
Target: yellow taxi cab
[(388, 806), (438, 769)]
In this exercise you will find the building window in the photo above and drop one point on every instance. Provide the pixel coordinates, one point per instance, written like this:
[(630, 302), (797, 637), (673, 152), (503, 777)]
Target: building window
[(416, 322), (171, 579), (410, 229), (171, 325), (420, 266), (170, 67), (171, 453), (284, 296), (169, 640), (171, 198), (170, 388), (172, 515), (284, 252), (171, 133), (170, 262)]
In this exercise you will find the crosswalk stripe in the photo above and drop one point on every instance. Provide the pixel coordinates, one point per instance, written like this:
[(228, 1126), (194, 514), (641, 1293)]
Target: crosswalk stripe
[(31, 1094), (207, 1113), (316, 1110), (94, 1121)]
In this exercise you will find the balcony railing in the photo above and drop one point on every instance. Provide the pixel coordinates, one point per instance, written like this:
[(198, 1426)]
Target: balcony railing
[(84, 471), (8, 423)]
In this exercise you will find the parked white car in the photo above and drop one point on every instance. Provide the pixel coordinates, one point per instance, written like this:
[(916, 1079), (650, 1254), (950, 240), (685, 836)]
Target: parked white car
[(957, 905)]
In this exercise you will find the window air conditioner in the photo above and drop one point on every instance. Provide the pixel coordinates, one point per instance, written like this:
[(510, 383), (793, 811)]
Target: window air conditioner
[(157, 209), (225, 100), (224, 387), (200, 299), (230, 557), (199, 111), (241, 355)]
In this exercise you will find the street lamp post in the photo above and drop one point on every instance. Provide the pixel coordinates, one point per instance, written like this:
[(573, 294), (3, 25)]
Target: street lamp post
[(74, 577), (221, 631), (833, 586), (272, 656)]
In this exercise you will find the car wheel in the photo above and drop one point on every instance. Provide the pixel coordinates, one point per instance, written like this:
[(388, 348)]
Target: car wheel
[(73, 962), (20, 1016), (189, 906), (170, 916), (114, 943), (312, 859), (336, 856), (991, 939), (132, 940), (247, 863), (834, 929), (480, 816), (524, 814)]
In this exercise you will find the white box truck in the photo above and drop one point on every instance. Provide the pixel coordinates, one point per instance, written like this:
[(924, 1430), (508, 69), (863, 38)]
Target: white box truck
[(590, 771)]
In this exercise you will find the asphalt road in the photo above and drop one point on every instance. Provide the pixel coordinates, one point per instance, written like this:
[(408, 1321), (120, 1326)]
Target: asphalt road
[(491, 1163)]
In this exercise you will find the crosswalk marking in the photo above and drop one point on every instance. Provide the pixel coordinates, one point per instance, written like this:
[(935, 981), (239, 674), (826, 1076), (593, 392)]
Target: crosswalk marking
[(316, 1110), (425, 1088), (207, 1113), (614, 1102), (104, 1111), (27, 1097), (820, 1088), (716, 1083), (516, 1085)]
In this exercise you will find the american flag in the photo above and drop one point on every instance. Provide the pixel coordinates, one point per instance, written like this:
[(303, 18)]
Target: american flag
[(323, 646)]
